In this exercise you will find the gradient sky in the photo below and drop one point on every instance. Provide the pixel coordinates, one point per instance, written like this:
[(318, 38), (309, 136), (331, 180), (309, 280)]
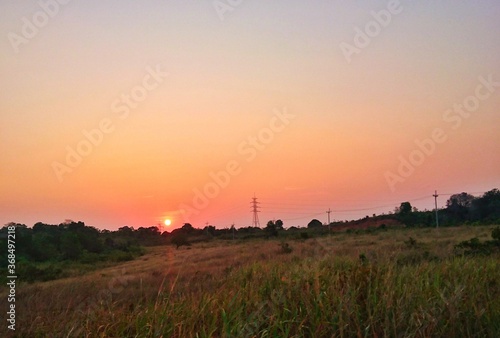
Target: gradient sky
[(353, 121)]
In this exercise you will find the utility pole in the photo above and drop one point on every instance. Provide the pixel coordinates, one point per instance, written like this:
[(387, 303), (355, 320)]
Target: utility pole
[(232, 228), (328, 212), (436, 206), (255, 211)]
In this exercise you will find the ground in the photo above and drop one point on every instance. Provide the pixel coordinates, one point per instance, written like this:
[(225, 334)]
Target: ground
[(396, 282)]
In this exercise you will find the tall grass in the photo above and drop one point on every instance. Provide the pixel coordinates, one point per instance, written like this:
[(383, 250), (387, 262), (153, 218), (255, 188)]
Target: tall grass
[(335, 291), (331, 297)]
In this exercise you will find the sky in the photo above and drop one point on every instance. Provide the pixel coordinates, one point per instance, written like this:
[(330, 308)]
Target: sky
[(133, 112)]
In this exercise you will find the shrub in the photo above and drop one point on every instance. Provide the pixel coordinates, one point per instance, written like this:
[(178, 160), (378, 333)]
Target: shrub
[(120, 256), (30, 273), (411, 242), (285, 248), (89, 257), (475, 247), (495, 234), (179, 240), (363, 259)]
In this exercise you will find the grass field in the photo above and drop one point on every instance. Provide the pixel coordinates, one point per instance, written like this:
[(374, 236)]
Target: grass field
[(368, 284)]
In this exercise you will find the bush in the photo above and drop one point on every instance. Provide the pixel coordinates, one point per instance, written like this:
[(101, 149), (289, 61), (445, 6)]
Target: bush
[(179, 240), (90, 258), (411, 242), (475, 247), (120, 256), (30, 273), (495, 234), (285, 248)]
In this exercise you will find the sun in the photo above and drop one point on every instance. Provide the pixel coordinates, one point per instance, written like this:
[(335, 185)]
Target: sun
[(167, 222)]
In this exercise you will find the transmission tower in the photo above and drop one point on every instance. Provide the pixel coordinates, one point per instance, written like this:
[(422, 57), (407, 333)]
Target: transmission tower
[(255, 211)]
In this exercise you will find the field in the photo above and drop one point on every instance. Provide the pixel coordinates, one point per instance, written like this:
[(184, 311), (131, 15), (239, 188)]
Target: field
[(394, 283)]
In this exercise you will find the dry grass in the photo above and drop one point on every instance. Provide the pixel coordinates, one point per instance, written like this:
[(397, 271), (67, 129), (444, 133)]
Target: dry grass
[(251, 288)]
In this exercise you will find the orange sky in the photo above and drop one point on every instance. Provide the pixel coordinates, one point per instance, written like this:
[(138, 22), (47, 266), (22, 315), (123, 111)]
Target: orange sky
[(152, 100)]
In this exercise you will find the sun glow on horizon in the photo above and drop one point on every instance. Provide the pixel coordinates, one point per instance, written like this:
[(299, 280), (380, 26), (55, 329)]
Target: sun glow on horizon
[(167, 222)]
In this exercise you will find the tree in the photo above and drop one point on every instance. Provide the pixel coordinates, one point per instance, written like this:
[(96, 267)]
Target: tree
[(271, 228), (180, 239), (43, 248), (210, 230), (89, 239), (487, 207), (405, 215), (187, 228), (458, 205), (126, 230), (279, 224), (46, 228), (463, 200), (70, 246), (314, 224), (405, 208)]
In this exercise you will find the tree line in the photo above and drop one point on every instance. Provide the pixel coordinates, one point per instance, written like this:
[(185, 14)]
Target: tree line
[(77, 242), (460, 209)]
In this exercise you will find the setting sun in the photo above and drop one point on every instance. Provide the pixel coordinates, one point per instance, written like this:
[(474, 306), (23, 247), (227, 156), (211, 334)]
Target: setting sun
[(167, 222)]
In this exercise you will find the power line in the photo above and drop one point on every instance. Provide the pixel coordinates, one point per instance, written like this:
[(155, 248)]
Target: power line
[(294, 206), (309, 209), (296, 218)]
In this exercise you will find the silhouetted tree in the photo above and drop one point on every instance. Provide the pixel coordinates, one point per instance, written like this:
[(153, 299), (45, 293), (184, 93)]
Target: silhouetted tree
[(458, 206), (271, 229), (314, 224), (188, 228), (405, 208), (210, 230), (180, 239), (487, 207), (463, 200), (126, 230), (279, 224)]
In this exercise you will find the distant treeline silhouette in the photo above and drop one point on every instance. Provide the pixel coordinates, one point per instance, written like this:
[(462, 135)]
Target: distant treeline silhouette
[(76, 242), (460, 209)]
